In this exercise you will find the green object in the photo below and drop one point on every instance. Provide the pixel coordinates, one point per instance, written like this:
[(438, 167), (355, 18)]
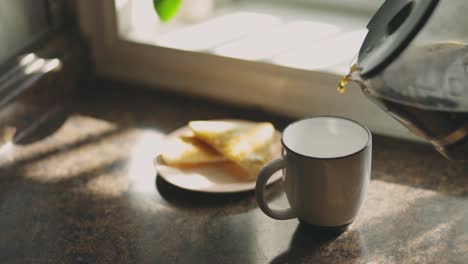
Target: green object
[(166, 9)]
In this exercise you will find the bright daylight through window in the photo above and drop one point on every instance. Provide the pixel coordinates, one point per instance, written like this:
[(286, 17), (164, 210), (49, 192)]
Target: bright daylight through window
[(307, 34)]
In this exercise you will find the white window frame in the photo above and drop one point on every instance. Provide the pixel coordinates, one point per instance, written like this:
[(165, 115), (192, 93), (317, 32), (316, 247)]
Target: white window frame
[(286, 91)]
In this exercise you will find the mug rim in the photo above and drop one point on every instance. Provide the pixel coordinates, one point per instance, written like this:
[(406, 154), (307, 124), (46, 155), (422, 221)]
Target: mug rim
[(368, 143)]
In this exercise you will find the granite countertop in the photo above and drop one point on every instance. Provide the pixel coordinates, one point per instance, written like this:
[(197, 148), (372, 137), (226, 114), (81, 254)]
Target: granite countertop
[(88, 193)]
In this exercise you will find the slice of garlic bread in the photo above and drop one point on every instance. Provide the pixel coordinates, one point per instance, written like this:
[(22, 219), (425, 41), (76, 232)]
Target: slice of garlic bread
[(189, 151), (246, 144)]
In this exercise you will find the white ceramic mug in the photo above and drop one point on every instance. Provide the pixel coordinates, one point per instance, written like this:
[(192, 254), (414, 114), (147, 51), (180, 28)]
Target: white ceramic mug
[(326, 165)]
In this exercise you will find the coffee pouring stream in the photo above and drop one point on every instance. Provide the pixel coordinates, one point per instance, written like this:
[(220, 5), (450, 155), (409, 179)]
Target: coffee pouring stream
[(413, 63)]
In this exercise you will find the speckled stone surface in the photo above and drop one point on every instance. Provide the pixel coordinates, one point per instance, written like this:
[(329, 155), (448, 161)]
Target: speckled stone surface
[(88, 193)]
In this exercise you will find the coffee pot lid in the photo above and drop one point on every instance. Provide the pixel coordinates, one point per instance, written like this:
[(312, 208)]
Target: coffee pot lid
[(391, 29)]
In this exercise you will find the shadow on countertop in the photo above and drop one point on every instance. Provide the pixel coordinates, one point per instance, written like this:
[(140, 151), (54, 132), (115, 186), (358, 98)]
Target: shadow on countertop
[(417, 165), (315, 246), (191, 199)]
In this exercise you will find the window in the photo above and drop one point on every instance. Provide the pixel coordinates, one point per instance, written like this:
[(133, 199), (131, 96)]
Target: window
[(288, 33), (281, 55)]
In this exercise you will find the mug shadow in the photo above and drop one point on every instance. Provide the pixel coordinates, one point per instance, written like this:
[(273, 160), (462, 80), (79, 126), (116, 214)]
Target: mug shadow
[(239, 202), (316, 245)]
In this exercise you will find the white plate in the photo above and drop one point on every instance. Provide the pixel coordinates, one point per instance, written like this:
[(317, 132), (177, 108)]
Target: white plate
[(212, 178)]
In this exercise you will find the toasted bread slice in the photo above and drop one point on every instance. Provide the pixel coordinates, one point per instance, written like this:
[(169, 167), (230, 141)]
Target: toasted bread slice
[(190, 151), (246, 144)]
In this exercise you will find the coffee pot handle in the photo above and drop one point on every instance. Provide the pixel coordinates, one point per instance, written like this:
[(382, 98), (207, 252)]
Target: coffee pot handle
[(262, 179)]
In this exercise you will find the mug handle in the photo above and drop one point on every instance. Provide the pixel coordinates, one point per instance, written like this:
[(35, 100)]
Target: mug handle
[(262, 179)]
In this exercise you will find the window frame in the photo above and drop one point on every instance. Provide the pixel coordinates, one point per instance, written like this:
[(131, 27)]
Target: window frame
[(273, 88)]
